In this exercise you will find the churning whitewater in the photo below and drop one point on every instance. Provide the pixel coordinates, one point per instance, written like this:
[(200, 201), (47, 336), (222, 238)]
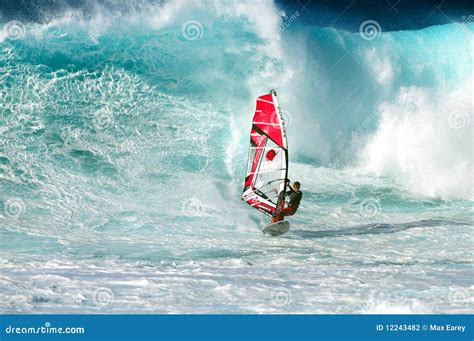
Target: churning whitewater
[(123, 149)]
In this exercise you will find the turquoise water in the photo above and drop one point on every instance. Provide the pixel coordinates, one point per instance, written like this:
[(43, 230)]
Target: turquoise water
[(124, 144)]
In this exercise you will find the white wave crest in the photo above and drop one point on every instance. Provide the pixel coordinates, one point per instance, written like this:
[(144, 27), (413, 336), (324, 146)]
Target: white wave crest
[(417, 144)]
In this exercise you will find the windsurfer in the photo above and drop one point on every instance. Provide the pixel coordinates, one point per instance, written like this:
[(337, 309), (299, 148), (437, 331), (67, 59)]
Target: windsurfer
[(295, 196)]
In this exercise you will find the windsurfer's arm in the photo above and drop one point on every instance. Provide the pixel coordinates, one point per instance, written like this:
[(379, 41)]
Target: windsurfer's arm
[(289, 188)]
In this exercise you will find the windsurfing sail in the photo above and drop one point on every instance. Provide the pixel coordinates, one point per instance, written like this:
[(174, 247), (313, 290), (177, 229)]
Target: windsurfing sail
[(267, 165)]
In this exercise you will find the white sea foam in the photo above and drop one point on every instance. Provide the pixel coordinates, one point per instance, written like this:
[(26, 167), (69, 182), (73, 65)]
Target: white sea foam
[(424, 140)]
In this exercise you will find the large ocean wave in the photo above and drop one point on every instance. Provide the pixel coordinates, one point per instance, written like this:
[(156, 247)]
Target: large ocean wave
[(399, 105)]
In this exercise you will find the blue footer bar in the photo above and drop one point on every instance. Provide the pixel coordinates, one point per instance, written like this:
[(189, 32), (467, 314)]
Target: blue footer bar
[(237, 327)]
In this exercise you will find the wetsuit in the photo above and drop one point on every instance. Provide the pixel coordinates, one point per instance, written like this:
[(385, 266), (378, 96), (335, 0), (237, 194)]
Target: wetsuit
[(295, 198)]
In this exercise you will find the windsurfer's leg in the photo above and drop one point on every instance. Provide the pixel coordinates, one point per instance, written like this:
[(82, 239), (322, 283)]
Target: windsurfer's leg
[(278, 218), (280, 211), (289, 211), (283, 213)]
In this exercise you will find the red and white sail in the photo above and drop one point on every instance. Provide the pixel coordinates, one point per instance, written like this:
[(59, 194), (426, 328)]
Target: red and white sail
[(267, 167)]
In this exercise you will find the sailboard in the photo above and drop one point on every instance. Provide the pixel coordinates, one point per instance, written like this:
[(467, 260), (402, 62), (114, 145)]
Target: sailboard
[(277, 229), (267, 165)]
